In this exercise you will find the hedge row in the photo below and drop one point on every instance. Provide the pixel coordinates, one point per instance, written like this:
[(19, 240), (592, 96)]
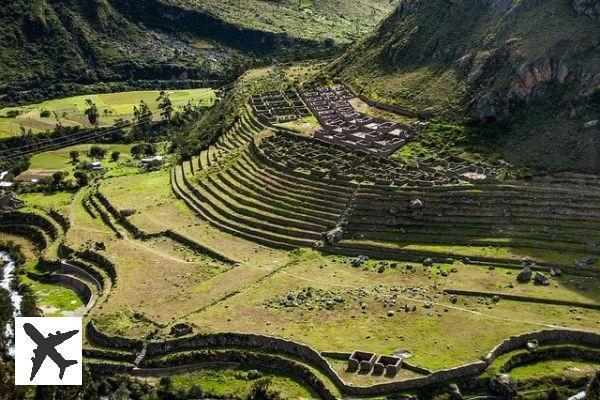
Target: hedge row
[(131, 228), (31, 219), (104, 216), (60, 219), (34, 234)]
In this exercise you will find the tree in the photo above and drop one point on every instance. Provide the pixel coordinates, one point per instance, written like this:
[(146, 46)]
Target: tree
[(142, 117), (92, 112), (165, 105), (115, 156), (195, 392), (57, 178), (97, 152), (74, 154), (82, 178)]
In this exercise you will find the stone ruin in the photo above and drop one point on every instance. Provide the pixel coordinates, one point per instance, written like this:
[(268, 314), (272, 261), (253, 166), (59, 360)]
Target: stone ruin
[(9, 202), (320, 159), (278, 106), (388, 365), (366, 362), (345, 126), (181, 329), (362, 361)]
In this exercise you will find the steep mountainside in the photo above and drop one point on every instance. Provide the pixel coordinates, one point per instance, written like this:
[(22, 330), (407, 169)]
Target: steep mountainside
[(44, 41), (533, 64)]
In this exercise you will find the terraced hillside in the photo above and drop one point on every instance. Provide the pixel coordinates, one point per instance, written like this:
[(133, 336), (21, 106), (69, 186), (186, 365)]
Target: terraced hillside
[(353, 275), (284, 190)]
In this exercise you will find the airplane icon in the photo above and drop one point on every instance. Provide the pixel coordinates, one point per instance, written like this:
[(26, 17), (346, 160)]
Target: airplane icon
[(46, 348)]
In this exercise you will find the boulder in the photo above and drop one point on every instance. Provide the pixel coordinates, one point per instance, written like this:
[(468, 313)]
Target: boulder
[(591, 124), (532, 345), (334, 235), (416, 205), (541, 279), (358, 261), (454, 392), (428, 262), (527, 261), (525, 275), (592, 392), (503, 385), (181, 329), (555, 272)]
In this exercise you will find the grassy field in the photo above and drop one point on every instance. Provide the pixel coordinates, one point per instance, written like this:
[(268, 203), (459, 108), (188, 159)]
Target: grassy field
[(45, 164), (54, 300), (234, 381), (70, 110)]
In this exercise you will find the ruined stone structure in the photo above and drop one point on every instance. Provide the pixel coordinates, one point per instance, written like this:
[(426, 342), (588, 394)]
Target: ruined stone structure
[(278, 106), (9, 202), (345, 126)]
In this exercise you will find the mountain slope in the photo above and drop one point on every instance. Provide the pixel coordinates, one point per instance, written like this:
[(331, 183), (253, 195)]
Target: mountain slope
[(100, 40), (530, 63)]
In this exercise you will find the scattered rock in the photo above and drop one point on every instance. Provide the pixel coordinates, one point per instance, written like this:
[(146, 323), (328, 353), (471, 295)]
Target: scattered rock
[(555, 272), (428, 262), (453, 299), (390, 313), (591, 124), (525, 275), (181, 329), (454, 392), (392, 210), (358, 261), (416, 205), (541, 279), (532, 345), (503, 385), (334, 235), (496, 299), (527, 261)]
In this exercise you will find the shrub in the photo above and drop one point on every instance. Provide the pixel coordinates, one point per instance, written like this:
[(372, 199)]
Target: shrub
[(45, 114), (115, 156), (97, 152)]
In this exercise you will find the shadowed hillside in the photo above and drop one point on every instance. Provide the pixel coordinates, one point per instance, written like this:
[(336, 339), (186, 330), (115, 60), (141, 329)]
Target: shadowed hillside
[(86, 41), (529, 63)]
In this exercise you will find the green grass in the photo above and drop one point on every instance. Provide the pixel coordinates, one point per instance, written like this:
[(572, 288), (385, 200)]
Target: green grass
[(47, 163), (564, 368), (54, 300), (223, 382), (70, 110)]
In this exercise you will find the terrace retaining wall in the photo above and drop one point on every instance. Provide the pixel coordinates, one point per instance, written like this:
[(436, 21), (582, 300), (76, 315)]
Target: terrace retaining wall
[(311, 356)]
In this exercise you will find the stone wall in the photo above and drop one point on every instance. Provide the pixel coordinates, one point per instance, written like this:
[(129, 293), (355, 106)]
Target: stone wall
[(551, 353), (550, 336), (591, 306), (178, 347), (200, 248)]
